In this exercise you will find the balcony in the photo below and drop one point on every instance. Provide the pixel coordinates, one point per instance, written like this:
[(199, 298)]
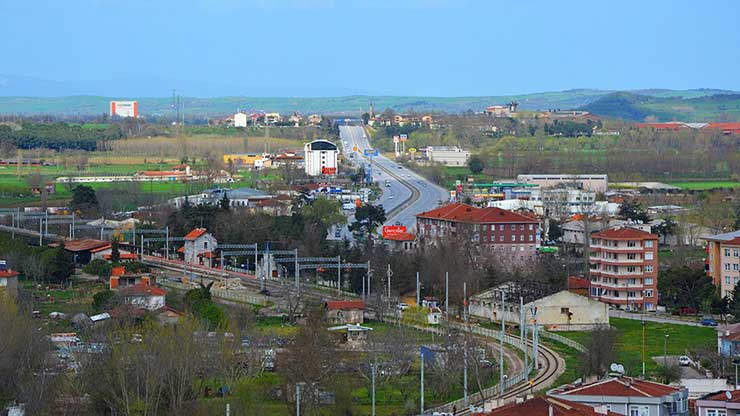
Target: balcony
[(618, 286), (620, 273), (619, 249), (624, 300)]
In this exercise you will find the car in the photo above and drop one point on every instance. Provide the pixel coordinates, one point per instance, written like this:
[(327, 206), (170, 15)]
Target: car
[(390, 196), (338, 232), (387, 184), (400, 167), (708, 322), (265, 292), (684, 361), (402, 306)]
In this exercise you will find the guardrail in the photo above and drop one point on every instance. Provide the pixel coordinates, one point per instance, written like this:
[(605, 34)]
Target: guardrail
[(563, 340)]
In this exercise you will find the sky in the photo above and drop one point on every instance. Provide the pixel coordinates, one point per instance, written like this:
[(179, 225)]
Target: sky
[(389, 47)]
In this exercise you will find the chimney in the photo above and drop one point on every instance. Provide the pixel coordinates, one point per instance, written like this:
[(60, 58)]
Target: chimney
[(550, 410)]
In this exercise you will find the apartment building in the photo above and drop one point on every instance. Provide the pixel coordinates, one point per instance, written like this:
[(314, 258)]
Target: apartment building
[(624, 268), (723, 260), (506, 234), (448, 155)]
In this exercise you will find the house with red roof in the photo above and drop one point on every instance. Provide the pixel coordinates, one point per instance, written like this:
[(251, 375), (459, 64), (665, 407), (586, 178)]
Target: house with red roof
[(199, 247), (505, 234), (624, 268), (548, 406), (725, 128), (143, 296), (84, 249), (345, 311), (400, 241), (628, 396), (8, 279), (721, 403), (723, 260)]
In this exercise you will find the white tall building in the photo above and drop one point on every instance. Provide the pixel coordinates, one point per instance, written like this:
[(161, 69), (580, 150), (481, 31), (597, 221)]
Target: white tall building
[(320, 158), (124, 109)]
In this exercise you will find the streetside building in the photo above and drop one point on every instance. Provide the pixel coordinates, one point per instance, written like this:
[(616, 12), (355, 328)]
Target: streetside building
[(721, 403), (548, 406), (448, 155), (320, 158), (624, 268), (588, 182), (143, 296), (508, 235), (561, 311), (84, 249), (723, 261), (8, 280), (628, 396), (199, 246), (240, 119), (345, 311)]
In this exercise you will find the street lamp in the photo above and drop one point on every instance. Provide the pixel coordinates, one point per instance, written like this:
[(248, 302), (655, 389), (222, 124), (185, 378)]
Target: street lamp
[(665, 348), (643, 347)]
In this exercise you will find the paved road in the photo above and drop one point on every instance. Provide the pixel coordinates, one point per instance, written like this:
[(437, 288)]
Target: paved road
[(404, 184)]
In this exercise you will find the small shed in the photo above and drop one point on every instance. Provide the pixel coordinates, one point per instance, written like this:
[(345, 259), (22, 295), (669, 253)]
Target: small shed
[(345, 311)]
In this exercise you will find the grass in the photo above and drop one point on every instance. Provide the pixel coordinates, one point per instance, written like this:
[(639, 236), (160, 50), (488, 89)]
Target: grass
[(681, 339), (705, 185), (572, 361)]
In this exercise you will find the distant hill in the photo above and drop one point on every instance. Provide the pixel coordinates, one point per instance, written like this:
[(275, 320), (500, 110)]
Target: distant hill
[(668, 107)]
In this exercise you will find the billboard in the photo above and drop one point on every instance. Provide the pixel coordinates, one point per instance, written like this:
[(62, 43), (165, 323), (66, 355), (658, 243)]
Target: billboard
[(329, 171), (124, 109), (389, 230), (371, 152)]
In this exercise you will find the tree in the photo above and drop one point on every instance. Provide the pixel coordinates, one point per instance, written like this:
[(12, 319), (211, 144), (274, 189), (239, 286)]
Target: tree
[(115, 253), (475, 164), (98, 267), (225, 203), (633, 211), (599, 350), (685, 287), (368, 217), (84, 198), (665, 228), (105, 300), (324, 211), (58, 264)]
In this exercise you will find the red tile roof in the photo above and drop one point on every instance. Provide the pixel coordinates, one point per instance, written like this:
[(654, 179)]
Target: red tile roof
[(400, 237), (142, 289), (123, 256), (469, 214), (85, 244), (95, 250), (672, 125), (345, 304), (622, 387), (195, 234), (725, 127), (722, 397), (578, 283), (540, 406), (625, 233), (8, 273)]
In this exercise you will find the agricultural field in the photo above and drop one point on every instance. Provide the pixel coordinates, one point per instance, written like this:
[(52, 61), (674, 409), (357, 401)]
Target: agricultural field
[(682, 339), (705, 185)]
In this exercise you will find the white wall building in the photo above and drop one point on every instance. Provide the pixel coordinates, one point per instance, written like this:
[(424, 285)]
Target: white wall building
[(320, 158), (240, 119), (448, 155), (588, 182), (124, 109), (199, 247)]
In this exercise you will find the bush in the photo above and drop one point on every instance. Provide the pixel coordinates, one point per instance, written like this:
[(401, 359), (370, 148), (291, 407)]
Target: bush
[(105, 300), (98, 267)]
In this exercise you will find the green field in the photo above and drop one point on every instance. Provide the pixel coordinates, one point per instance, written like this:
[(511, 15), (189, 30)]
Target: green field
[(681, 340), (705, 185)]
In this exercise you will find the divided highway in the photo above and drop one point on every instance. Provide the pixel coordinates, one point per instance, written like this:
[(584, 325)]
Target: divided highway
[(408, 194)]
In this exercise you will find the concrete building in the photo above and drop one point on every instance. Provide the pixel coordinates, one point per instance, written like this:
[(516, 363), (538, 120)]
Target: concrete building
[(238, 198), (448, 155), (588, 182), (8, 280), (505, 234), (723, 261), (240, 119), (720, 403), (548, 406), (320, 158), (561, 311), (628, 396), (143, 296), (574, 232), (624, 268), (83, 250), (248, 160), (345, 311), (199, 247)]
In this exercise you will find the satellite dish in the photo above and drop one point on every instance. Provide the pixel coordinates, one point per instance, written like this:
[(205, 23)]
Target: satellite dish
[(620, 368), (613, 367), (728, 395)]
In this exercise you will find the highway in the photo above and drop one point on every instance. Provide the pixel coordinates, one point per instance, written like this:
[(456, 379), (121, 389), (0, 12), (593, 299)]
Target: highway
[(408, 194)]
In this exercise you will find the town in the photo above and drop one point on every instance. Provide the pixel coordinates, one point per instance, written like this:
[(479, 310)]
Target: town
[(173, 247)]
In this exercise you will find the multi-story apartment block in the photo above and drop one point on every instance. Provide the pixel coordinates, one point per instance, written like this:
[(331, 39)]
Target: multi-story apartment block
[(506, 234), (624, 268), (723, 260)]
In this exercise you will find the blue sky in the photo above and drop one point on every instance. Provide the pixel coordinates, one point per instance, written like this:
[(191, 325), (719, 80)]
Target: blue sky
[(395, 47)]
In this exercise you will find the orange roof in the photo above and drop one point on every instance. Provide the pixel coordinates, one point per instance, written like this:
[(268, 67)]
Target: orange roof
[(142, 289), (85, 244), (195, 234), (207, 254), (95, 250), (162, 173), (345, 304), (401, 237), (721, 396), (731, 127), (625, 233), (8, 273), (118, 271), (540, 406), (122, 256), (622, 387), (181, 249), (578, 283), (672, 125), (469, 214)]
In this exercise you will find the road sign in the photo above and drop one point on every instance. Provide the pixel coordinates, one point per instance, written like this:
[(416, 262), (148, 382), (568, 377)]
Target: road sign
[(412, 150), (404, 137), (396, 139), (371, 152), (329, 171), (354, 148), (389, 230)]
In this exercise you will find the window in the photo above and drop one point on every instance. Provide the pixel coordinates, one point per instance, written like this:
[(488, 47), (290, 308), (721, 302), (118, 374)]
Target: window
[(715, 412), (631, 294), (632, 244), (631, 269), (648, 293), (649, 255), (521, 237), (736, 253), (501, 237), (639, 410), (727, 280), (727, 252), (565, 311), (727, 266), (521, 227), (531, 227), (531, 237), (648, 268), (521, 248), (649, 243), (736, 267), (648, 281), (501, 227), (205, 244), (734, 280)]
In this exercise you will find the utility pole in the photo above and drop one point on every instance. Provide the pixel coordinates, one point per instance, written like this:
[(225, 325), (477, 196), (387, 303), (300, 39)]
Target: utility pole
[(417, 290), (373, 397), (167, 246), (643, 348), (535, 336), (268, 266), (339, 274), (665, 349), (41, 232), (447, 296), (421, 399), (465, 344), (501, 345), (297, 399), (297, 268), (369, 274)]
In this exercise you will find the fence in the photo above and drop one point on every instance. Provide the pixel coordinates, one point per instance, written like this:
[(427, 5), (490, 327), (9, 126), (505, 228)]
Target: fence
[(232, 295), (563, 340)]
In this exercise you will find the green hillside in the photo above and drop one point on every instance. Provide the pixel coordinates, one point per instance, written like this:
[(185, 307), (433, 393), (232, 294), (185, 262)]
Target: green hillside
[(664, 107), (633, 106)]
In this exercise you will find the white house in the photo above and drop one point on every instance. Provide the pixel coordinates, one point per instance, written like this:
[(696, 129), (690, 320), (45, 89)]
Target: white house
[(143, 296), (561, 311), (199, 246), (320, 158), (240, 119)]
